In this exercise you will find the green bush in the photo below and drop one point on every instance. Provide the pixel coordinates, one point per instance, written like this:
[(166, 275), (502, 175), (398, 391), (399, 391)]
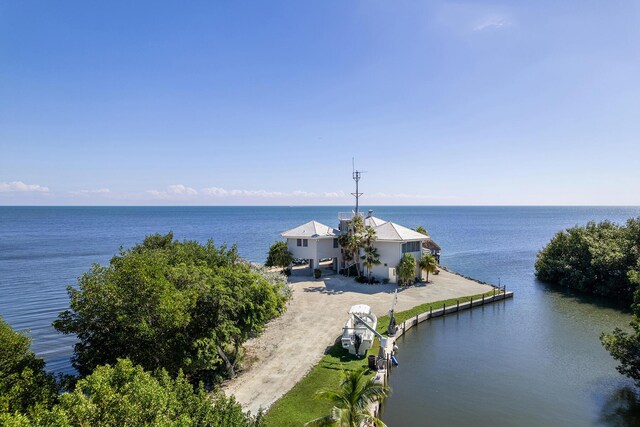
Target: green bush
[(317, 273), (279, 256), (596, 258), (23, 380), (125, 394), (172, 305)]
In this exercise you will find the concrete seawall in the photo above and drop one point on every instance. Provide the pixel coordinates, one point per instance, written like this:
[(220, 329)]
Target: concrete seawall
[(382, 376), (409, 323)]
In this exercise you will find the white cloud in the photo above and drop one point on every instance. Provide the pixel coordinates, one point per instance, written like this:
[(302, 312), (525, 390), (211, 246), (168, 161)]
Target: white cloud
[(334, 194), (218, 192), (215, 191), (21, 187), (181, 189), (492, 23), (98, 191), (174, 191)]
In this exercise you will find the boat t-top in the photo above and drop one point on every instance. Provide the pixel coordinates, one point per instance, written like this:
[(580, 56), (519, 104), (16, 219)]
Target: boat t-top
[(358, 332)]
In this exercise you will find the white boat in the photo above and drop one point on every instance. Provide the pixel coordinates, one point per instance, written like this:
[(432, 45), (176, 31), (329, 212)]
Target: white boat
[(357, 334)]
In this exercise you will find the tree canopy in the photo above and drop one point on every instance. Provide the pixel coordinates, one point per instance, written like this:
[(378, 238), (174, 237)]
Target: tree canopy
[(599, 258), (23, 380), (279, 256), (625, 347), (603, 259), (127, 395), (172, 305)]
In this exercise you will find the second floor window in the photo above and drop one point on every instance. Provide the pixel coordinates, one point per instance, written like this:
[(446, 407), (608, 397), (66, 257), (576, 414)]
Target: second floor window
[(410, 247)]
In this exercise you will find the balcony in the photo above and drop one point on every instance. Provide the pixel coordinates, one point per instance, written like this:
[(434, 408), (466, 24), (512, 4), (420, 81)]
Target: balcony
[(347, 216)]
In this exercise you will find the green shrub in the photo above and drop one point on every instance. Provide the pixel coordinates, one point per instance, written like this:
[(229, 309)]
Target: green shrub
[(172, 305), (596, 259)]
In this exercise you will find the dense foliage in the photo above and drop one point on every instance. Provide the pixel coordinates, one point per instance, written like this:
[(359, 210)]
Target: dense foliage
[(406, 269), (279, 256), (625, 347), (23, 381), (358, 237), (126, 395), (599, 258), (172, 305)]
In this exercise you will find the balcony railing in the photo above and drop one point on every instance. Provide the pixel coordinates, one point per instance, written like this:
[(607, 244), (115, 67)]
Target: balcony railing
[(347, 216)]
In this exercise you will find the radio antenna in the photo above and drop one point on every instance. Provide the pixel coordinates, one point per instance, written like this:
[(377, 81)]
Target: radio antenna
[(356, 177)]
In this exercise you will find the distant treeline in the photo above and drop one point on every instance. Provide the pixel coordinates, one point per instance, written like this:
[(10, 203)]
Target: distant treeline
[(599, 258)]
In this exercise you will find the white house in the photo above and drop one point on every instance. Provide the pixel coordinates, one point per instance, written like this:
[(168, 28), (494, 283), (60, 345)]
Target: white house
[(315, 241)]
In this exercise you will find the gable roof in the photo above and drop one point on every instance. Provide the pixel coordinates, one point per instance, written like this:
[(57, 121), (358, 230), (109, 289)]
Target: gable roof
[(312, 229), (372, 221), (390, 231)]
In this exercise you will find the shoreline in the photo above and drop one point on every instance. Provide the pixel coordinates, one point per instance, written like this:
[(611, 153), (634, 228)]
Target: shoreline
[(293, 344)]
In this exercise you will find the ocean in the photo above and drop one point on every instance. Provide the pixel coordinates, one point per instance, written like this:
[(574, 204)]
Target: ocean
[(534, 360)]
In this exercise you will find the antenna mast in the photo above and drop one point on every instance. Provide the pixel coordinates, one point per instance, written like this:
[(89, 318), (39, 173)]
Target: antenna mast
[(356, 178)]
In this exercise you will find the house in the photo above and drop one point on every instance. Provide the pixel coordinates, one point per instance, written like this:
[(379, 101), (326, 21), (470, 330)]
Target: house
[(314, 241)]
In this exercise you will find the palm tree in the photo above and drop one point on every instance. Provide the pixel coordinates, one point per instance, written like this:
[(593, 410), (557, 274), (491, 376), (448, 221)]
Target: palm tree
[(352, 241), (369, 235), (351, 401), (370, 258), (420, 229), (406, 270), (428, 263), (352, 244)]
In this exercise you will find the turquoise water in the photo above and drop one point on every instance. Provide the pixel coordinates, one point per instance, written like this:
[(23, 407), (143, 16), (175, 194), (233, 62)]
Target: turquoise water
[(535, 360)]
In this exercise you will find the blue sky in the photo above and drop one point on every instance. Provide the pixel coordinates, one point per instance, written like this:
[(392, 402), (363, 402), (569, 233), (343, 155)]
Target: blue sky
[(232, 103)]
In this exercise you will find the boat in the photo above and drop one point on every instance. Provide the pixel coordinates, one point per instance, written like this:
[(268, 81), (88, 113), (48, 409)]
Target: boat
[(358, 332)]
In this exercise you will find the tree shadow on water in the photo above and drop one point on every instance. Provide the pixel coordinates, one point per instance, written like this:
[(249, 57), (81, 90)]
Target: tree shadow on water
[(622, 408)]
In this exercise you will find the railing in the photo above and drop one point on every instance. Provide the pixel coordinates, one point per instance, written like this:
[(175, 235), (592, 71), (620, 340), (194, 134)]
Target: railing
[(347, 216)]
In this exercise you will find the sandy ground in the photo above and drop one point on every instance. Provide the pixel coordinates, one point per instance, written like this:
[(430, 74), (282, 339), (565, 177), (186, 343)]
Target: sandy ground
[(292, 344)]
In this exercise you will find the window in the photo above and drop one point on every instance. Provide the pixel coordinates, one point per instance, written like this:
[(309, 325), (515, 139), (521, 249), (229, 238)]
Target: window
[(411, 247), (305, 242), (335, 243), (299, 242)]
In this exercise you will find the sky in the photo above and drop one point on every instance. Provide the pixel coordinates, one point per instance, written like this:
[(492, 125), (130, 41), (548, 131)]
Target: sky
[(267, 103)]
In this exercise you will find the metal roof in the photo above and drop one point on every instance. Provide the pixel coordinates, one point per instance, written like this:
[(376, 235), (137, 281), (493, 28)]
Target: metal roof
[(312, 229)]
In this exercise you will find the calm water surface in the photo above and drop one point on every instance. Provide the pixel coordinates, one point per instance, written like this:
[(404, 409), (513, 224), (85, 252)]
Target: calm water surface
[(533, 361)]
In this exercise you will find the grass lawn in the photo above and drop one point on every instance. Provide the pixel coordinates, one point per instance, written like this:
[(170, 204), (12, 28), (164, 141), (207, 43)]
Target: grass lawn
[(298, 406)]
